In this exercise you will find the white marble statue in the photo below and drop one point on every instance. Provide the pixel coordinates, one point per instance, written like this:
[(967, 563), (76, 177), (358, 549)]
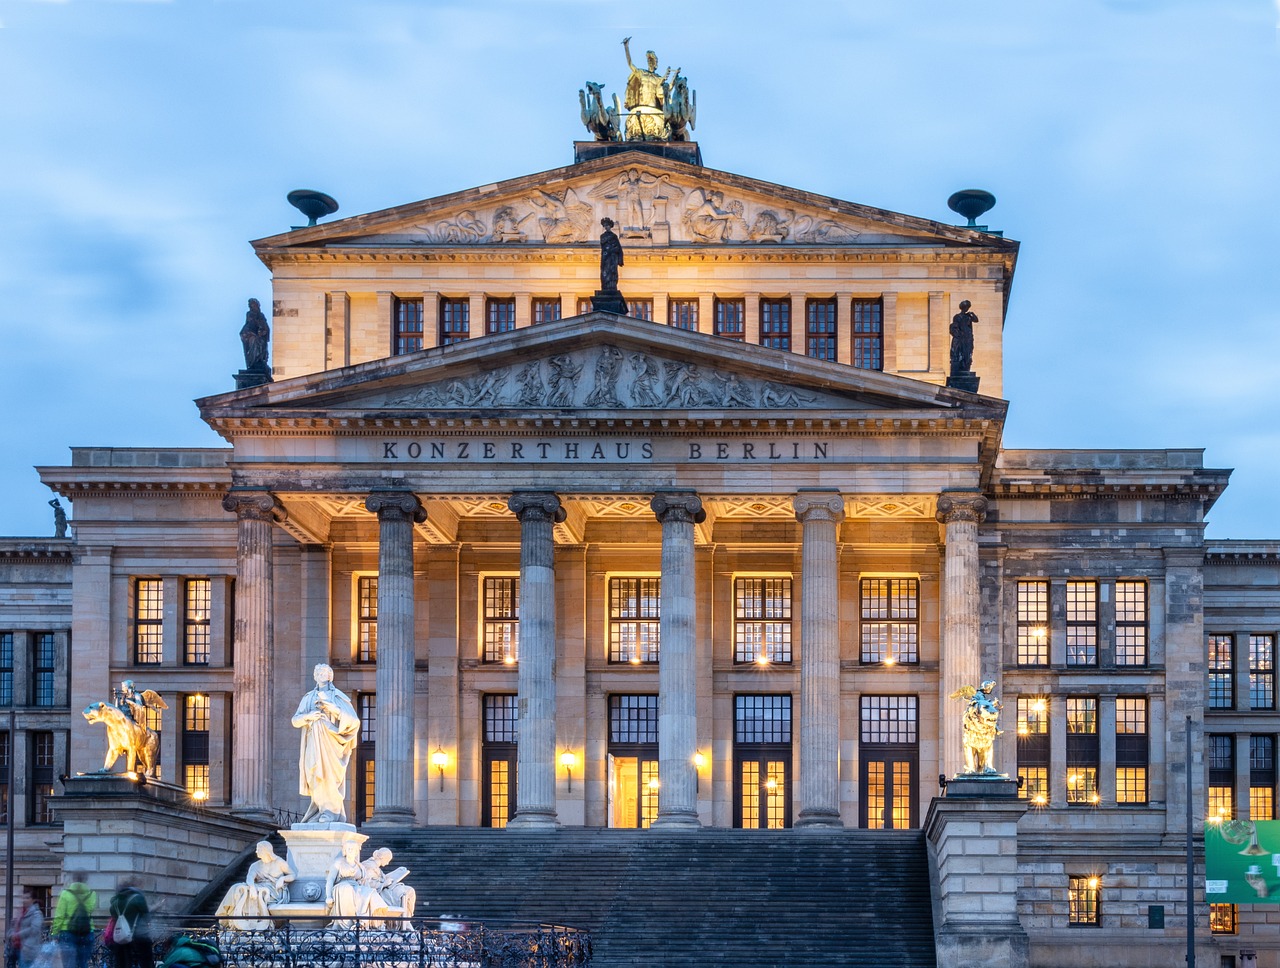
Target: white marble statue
[(394, 898), (247, 905), (330, 728), (346, 893)]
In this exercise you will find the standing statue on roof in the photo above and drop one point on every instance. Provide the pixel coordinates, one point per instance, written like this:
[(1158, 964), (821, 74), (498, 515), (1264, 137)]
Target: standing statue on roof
[(645, 99), (610, 257)]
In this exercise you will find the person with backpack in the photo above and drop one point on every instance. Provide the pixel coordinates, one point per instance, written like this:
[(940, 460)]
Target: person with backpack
[(131, 928), (72, 923)]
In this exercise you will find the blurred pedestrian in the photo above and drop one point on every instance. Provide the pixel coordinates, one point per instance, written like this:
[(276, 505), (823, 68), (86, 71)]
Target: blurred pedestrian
[(72, 924)]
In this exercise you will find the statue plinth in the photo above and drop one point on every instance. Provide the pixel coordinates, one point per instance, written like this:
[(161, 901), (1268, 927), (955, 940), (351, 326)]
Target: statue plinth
[(253, 377), (313, 847), (968, 786), (684, 151), (967, 381), (609, 301)]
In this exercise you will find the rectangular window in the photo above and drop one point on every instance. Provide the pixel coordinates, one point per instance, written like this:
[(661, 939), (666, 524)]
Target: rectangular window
[(683, 313), (868, 334), (1222, 690), (43, 657), (584, 304), (1221, 755), (1222, 919), (633, 719), (195, 746), (40, 773), (502, 619), (455, 320), (1131, 750), (500, 316), (1082, 750), (195, 621), (890, 620), (367, 618), (501, 736), (1262, 777), (366, 755), (148, 621), (635, 613), (1082, 623), (775, 324), (5, 759), (1033, 749), (406, 326), (731, 317), (1131, 623), (820, 328), (889, 719), (1033, 623), (640, 309), (154, 721), (546, 310), (888, 749), (762, 620), (1262, 672), (1082, 901), (762, 719), (6, 668)]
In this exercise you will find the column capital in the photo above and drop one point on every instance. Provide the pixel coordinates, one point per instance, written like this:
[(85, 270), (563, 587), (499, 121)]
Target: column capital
[(254, 505), (678, 506), (818, 506), (536, 506), (961, 506), (396, 506)]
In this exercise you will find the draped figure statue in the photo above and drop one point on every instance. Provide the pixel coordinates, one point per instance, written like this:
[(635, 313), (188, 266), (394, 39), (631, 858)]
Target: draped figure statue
[(330, 728)]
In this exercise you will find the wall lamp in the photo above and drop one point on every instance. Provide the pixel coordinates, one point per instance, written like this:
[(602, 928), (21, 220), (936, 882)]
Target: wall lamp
[(567, 760), (440, 759), (699, 763)]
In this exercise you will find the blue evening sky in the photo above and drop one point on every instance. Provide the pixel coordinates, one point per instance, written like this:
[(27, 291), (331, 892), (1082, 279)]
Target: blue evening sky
[(1133, 146)]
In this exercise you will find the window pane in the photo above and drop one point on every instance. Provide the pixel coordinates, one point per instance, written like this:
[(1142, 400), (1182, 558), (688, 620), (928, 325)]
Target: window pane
[(455, 320), (1262, 675), (6, 668), (683, 313), (546, 310), (890, 620), (889, 719), (501, 719), (500, 316), (406, 326), (868, 334), (820, 331), (775, 323), (633, 719), (1033, 622), (367, 618), (148, 618), (1082, 623), (762, 719), (195, 622), (730, 318), (1131, 623), (640, 309), (762, 627), (635, 613), (502, 619), (1082, 900), (1221, 678)]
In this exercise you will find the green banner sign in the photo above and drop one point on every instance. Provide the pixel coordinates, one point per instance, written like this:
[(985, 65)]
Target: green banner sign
[(1242, 862)]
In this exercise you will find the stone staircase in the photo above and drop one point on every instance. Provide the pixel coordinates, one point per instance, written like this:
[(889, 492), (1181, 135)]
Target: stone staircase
[(709, 897)]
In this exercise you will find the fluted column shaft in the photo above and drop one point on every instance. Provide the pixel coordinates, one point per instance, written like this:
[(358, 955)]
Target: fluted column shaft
[(677, 661), (397, 513), (820, 514), (253, 644), (538, 512), (961, 659)]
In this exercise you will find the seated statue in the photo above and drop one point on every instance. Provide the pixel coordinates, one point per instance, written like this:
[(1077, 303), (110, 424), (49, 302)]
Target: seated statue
[(247, 905), (392, 897), (345, 890)]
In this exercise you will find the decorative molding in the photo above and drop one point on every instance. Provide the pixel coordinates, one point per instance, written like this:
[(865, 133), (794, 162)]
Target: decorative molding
[(918, 506)]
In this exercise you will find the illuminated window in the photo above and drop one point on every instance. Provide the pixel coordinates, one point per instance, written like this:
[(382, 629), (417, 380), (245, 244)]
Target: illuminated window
[(501, 736), (1033, 623), (820, 328), (683, 313), (762, 620), (640, 309), (762, 757), (43, 659), (1082, 901), (1223, 919), (195, 746), (1082, 750), (1131, 623), (546, 310), (366, 755), (154, 721), (633, 756), (1131, 750), (775, 323), (635, 613), (890, 620), (455, 320), (888, 740), (148, 621), (1262, 672), (40, 774), (1222, 689), (367, 618), (730, 319), (1082, 623), (500, 316), (6, 668), (1033, 749), (1221, 754), (868, 334), (406, 326), (1262, 777), (502, 619), (195, 621)]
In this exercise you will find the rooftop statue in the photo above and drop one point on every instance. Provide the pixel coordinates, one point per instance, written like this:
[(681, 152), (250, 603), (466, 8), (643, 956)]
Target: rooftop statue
[(679, 107), (127, 732), (255, 335), (330, 728), (610, 257), (646, 95), (962, 339), (59, 518), (601, 120), (981, 727)]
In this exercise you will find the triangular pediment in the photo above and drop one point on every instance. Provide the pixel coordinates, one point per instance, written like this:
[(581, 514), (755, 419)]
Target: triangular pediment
[(654, 201)]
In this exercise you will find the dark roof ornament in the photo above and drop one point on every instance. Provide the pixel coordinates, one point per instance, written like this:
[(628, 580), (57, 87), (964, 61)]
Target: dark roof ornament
[(972, 203), (607, 298), (312, 204)]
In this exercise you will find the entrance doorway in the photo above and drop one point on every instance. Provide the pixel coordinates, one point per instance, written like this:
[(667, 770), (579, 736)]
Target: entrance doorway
[(762, 762), (633, 760), (889, 753)]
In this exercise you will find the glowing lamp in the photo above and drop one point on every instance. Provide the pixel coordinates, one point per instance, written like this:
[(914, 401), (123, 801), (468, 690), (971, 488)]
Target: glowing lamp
[(567, 760), (440, 759)]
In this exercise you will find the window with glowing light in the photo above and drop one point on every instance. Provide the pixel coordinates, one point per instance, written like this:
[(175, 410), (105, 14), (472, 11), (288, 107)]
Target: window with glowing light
[(1033, 623), (890, 620), (683, 314), (406, 326), (148, 621), (366, 755), (196, 610), (1223, 919), (635, 618), (1262, 777), (500, 316), (762, 761), (40, 776), (1033, 749), (730, 321), (455, 320), (546, 309), (1222, 688), (762, 620), (367, 618), (1082, 750), (1220, 751), (775, 324), (888, 740), (1131, 750), (868, 334), (154, 721), (1083, 895), (1131, 623), (43, 664), (498, 753), (1262, 672), (1082, 623), (501, 631), (633, 760), (195, 745)]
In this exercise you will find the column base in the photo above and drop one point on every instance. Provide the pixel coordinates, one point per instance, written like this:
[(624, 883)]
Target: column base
[(258, 814), (677, 820), (819, 818), (391, 817), (533, 820)]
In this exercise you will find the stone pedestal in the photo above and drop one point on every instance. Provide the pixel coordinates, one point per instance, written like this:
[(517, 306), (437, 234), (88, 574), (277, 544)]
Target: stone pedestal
[(964, 381), (609, 301), (313, 847), (972, 835), (253, 377)]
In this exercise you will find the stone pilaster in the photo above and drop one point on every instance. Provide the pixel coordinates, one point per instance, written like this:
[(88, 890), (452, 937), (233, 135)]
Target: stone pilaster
[(961, 512), (253, 646), (820, 514), (397, 512), (677, 661), (539, 512)]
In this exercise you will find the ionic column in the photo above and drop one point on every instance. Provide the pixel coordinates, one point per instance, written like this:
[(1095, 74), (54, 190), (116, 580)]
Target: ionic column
[(253, 643), (820, 514), (961, 512), (538, 512), (677, 661), (397, 512)]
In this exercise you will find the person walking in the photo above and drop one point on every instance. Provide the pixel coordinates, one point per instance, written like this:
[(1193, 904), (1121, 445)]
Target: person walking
[(28, 931), (131, 928), (72, 924)]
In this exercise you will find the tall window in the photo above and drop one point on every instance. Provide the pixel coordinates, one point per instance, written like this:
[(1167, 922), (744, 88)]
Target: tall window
[(195, 746), (1221, 749), (1082, 623), (762, 760), (367, 618), (762, 620), (148, 621), (1222, 919), (775, 323), (1222, 690), (640, 309), (5, 760), (868, 334), (501, 737), (890, 620), (502, 619), (633, 757), (6, 668), (195, 621), (1033, 623), (584, 305), (1131, 750), (500, 316), (455, 320), (1262, 777), (731, 318), (1083, 909), (635, 613), (888, 741), (1033, 749), (820, 328), (42, 668), (1131, 623), (546, 310), (683, 313), (406, 326), (366, 754), (40, 773), (1082, 749), (1262, 672)]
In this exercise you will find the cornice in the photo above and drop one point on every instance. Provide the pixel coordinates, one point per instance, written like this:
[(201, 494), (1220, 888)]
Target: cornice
[(1081, 491), (15, 549)]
